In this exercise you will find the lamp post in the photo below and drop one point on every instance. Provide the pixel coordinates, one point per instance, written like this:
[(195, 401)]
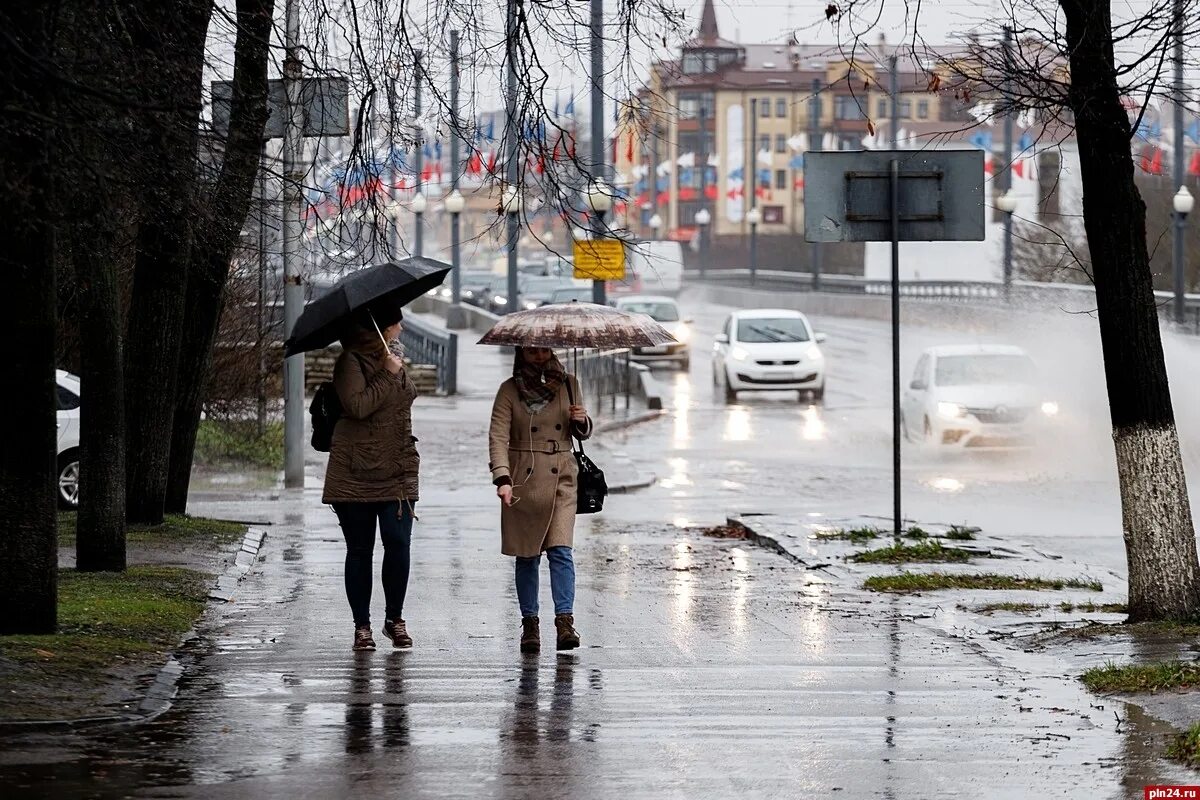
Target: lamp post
[(656, 223), (753, 217), (418, 206), (600, 200), (1182, 202), (1007, 203), (702, 219), (510, 201), (455, 318)]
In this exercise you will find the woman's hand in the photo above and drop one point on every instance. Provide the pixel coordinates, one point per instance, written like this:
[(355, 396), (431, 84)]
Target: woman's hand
[(578, 414), (393, 364), (505, 494)]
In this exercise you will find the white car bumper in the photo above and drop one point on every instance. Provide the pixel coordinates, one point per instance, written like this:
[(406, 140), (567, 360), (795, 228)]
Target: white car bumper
[(746, 376), (969, 432), (662, 353)]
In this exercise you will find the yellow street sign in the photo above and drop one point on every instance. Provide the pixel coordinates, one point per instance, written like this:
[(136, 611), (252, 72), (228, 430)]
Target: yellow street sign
[(600, 259)]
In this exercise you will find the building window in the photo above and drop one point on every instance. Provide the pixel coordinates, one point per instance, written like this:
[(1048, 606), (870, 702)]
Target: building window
[(764, 143), (772, 215), (781, 179), (780, 143), (710, 62), (764, 107), (781, 107), (881, 108), (904, 109), (691, 104), (692, 63), (922, 109), (846, 107)]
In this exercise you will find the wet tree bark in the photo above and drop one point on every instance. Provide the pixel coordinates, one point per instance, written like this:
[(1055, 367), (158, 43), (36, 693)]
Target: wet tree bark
[(28, 497), (1164, 578), (221, 213), (169, 36)]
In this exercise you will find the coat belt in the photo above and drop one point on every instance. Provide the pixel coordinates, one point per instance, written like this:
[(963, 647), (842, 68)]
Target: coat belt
[(547, 446)]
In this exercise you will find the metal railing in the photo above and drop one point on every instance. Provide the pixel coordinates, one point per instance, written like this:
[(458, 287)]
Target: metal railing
[(604, 375), (425, 344), (1076, 297)]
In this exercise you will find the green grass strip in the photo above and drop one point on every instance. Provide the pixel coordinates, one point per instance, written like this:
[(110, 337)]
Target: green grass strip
[(933, 581), (925, 552), (1142, 677)]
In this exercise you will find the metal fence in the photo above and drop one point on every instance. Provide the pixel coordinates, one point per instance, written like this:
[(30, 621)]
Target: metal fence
[(425, 344), (1030, 293), (604, 376)]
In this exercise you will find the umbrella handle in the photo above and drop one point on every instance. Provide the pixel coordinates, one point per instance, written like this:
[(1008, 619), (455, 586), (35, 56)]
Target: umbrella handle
[(376, 324)]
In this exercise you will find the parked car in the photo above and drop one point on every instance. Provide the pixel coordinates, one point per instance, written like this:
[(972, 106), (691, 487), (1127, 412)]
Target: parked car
[(657, 264), (663, 310), (769, 350), (68, 440), (568, 294), (976, 396), (473, 286), (532, 291)]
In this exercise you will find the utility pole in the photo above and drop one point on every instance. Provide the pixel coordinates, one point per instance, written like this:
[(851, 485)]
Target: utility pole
[(599, 158), (511, 168), (1177, 166), (752, 214), (455, 316), (893, 92), (814, 143), (702, 156), (1006, 172), (418, 238), (293, 288)]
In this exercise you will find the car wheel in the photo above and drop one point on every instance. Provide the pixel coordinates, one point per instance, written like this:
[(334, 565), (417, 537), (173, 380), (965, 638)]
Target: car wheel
[(68, 480), (730, 392), (904, 428), (818, 395), (715, 375), (928, 432), (685, 364)]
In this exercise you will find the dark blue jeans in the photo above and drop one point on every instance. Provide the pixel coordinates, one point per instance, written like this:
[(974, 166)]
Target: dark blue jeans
[(395, 528), (562, 581)]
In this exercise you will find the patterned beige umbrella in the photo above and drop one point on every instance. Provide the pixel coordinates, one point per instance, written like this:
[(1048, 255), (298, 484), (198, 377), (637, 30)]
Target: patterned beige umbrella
[(577, 325)]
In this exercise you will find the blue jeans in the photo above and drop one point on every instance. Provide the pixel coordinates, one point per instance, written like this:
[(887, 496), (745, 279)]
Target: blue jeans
[(562, 581), (358, 521)]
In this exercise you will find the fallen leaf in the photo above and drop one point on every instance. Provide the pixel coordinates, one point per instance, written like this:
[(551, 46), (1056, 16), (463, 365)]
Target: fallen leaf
[(44, 653), (870, 127), (831, 11), (935, 83)]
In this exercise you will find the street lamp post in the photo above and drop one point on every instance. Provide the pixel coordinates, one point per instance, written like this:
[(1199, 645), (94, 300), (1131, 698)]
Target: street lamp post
[(600, 200), (702, 219), (418, 206), (455, 318), (1007, 203), (1182, 202), (510, 201), (656, 223), (753, 217)]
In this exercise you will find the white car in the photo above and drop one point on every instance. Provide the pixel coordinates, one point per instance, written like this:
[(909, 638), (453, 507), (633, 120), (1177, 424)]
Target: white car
[(665, 311), (68, 439), (976, 396), (769, 350)]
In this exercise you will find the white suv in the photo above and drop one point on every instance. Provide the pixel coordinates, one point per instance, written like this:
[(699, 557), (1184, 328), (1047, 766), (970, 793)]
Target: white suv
[(68, 439), (770, 349)]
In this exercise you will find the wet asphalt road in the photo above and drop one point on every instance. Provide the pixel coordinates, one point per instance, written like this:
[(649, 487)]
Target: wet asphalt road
[(710, 668)]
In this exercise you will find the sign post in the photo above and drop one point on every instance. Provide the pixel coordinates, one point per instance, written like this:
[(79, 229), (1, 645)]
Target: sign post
[(894, 195)]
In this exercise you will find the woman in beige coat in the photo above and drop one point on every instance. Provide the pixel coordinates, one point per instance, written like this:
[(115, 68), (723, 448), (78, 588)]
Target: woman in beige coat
[(536, 412)]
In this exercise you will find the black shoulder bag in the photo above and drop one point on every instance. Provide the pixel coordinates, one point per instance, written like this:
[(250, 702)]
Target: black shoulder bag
[(590, 486)]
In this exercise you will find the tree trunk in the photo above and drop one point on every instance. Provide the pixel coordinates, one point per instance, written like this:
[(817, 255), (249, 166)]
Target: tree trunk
[(222, 213), (28, 472), (1164, 577), (171, 37)]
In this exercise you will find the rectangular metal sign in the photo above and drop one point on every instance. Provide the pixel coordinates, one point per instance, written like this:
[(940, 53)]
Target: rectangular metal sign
[(847, 195), (325, 108), (600, 259)]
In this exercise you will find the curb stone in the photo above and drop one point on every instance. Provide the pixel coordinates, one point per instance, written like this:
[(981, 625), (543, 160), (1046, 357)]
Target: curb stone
[(160, 695)]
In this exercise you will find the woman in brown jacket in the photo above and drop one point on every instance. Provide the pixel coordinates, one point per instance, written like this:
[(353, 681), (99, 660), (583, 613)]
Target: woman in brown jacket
[(372, 474), (533, 418)]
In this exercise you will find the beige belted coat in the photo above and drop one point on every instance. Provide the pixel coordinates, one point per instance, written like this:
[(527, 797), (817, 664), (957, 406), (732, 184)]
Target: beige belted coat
[(534, 452)]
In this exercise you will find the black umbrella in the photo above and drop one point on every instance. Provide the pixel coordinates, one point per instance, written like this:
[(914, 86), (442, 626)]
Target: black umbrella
[(381, 290)]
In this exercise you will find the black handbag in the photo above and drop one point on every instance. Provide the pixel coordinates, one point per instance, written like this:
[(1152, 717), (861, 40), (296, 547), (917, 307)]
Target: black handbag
[(590, 486)]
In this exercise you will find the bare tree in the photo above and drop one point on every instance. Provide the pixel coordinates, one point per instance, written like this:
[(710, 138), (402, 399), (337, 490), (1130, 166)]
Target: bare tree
[(1076, 66)]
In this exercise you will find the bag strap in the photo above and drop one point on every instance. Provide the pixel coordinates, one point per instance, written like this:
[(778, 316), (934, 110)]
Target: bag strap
[(571, 423)]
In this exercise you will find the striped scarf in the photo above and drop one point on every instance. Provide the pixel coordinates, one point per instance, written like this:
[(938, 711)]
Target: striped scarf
[(537, 385)]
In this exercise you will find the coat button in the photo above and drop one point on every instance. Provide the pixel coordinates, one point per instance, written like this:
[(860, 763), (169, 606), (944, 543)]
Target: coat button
[(533, 430), (554, 470), (558, 427)]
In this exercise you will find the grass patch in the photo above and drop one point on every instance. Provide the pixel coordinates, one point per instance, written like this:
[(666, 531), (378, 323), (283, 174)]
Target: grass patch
[(961, 533), (106, 618), (1142, 677), (1015, 608), (1185, 747), (925, 552), (175, 528), (933, 581), (1093, 608), (916, 532), (725, 532), (857, 535), (238, 441)]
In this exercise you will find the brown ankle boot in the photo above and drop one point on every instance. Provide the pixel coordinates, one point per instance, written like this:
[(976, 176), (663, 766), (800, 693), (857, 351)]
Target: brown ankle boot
[(531, 635), (568, 637)]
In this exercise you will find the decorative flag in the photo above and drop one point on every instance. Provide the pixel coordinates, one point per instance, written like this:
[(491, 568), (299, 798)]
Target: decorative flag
[(982, 140), (714, 160), (796, 161), (1194, 166), (1192, 131), (491, 128), (629, 148), (1152, 160), (687, 160), (710, 191), (763, 157), (555, 104), (1026, 142), (798, 142), (570, 109)]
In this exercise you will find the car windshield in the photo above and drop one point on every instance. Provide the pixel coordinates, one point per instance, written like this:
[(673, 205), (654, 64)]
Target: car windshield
[(984, 369), (541, 285), (784, 329), (659, 312)]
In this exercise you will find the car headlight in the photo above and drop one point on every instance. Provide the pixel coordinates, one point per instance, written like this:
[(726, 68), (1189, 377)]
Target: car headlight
[(1050, 408), (500, 301), (445, 292), (681, 334), (813, 353), (951, 410), (739, 354), (530, 305)]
